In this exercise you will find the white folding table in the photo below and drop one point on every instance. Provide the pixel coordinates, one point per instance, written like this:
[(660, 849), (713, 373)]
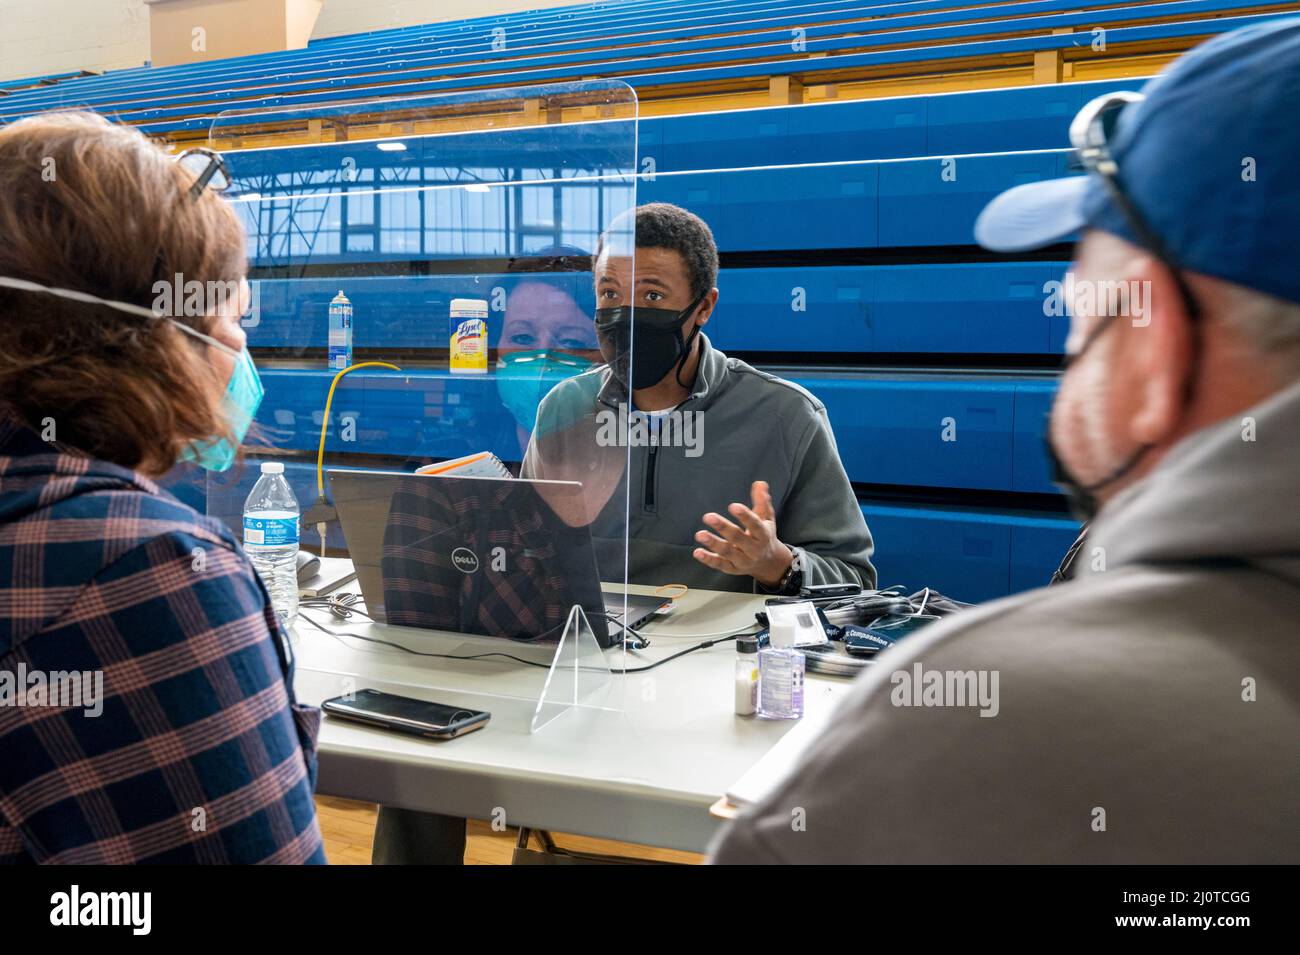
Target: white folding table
[(643, 764)]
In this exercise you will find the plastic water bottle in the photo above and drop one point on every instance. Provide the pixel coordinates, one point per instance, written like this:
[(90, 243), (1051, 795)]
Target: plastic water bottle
[(271, 537)]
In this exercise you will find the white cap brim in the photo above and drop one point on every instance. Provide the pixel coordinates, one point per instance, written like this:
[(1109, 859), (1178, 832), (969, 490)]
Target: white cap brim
[(1033, 215)]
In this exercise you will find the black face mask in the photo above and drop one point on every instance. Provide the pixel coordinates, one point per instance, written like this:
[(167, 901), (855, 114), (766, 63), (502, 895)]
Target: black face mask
[(659, 342), (1083, 497)]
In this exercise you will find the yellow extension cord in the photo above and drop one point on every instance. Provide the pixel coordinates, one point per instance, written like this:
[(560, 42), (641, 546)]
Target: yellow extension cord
[(324, 425), (324, 428)]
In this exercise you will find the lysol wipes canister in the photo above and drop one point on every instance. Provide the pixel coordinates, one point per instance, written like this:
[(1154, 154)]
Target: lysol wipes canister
[(469, 339)]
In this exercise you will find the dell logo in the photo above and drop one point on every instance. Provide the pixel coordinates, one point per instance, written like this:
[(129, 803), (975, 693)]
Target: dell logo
[(464, 560)]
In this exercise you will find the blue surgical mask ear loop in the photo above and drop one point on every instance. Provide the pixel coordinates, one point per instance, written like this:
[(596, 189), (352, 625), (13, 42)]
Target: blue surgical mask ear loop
[(244, 392), (24, 286)]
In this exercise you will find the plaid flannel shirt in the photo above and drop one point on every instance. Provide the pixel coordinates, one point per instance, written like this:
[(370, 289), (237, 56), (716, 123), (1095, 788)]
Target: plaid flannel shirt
[(199, 752)]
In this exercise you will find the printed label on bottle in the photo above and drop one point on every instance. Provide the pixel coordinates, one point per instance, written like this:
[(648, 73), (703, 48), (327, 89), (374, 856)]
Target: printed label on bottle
[(469, 346), (270, 531)]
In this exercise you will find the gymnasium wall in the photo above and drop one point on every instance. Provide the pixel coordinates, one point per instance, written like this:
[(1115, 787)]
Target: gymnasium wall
[(38, 37)]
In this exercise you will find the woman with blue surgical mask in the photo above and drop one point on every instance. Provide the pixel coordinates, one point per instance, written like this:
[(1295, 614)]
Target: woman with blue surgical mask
[(546, 335), (121, 354)]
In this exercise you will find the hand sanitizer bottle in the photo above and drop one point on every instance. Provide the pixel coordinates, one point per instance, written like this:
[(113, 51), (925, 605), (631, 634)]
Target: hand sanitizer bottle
[(780, 676)]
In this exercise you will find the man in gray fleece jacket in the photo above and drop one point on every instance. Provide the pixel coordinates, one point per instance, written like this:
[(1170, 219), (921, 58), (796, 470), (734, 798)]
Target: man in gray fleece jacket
[(716, 475), (1149, 709), (703, 435)]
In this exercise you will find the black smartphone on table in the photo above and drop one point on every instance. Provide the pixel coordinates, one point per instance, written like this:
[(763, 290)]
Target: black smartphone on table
[(823, 591), (406, 715)]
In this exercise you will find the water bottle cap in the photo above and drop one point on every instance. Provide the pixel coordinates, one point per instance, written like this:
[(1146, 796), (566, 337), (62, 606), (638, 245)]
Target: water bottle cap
[(272, 467)]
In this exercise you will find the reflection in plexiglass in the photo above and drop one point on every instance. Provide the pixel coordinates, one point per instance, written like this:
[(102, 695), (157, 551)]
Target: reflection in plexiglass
[(460, 231)]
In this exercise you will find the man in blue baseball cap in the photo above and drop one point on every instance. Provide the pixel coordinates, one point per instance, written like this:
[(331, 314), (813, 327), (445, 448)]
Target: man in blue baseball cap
[(1148, 709)]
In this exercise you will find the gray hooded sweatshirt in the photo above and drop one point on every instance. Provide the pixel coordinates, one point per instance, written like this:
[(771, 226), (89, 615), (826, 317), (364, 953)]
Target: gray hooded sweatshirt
[(739, 425), (1146, 712)]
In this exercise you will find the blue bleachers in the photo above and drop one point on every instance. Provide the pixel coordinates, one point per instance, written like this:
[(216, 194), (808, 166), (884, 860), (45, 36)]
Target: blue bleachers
[(907, 127), (845, 230), (11, 87), (970, 553), (850, 205), (890, 431), (649, 68), (885, 204), (446, 50), (890, 424), (911, 430), (966, 308), (940, 124)]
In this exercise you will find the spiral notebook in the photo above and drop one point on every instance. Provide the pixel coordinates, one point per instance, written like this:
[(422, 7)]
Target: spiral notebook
[(482, 464)]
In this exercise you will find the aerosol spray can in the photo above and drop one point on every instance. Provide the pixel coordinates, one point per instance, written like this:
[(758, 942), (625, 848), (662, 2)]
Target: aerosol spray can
[(340, 333)]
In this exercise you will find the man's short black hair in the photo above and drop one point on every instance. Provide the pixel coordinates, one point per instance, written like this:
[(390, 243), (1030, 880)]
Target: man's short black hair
[(662, 225)]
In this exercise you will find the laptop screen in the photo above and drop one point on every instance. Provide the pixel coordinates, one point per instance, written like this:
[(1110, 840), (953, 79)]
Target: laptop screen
[(488, 556)]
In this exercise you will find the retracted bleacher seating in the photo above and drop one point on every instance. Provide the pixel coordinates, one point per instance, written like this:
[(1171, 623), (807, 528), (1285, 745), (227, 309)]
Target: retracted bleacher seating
[(840, 151)]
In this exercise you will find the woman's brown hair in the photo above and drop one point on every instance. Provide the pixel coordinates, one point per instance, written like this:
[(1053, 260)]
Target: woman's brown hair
[(96, 207)]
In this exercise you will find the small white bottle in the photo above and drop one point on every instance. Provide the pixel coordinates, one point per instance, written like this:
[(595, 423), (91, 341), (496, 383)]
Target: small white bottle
[(746, 675), (781, 676)]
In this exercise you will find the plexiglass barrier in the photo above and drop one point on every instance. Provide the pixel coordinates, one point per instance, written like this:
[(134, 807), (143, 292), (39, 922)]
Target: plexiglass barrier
[(423, 274)]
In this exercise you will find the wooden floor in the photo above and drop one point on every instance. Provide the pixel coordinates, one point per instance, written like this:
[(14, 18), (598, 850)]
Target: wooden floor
[(349, 827)]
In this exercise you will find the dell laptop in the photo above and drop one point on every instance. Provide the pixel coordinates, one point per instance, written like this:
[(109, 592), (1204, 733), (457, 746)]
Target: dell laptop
[(489, 556)]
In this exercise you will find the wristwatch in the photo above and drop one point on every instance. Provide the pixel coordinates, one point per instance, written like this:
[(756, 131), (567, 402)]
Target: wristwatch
[(791, 581)]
